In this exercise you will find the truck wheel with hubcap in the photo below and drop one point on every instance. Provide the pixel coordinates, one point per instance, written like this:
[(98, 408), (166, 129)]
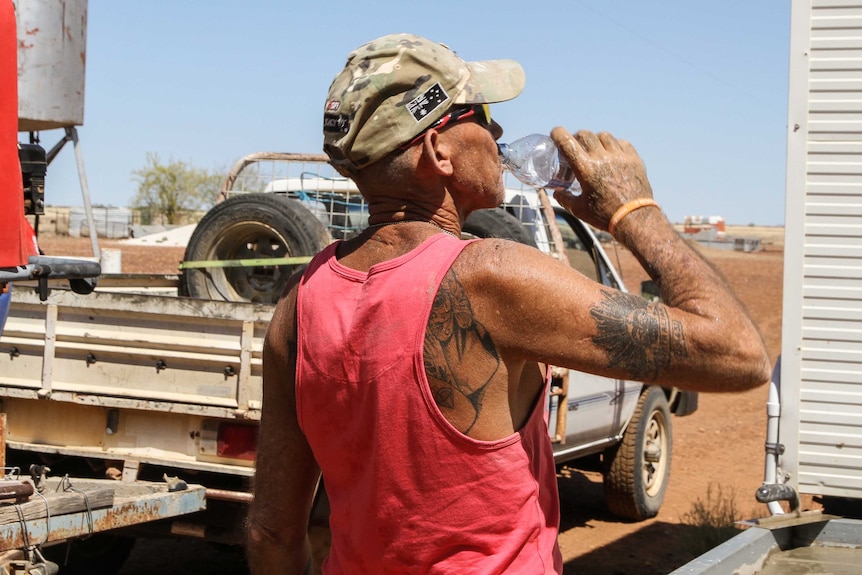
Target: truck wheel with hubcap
[(253, 226), (637, 469)]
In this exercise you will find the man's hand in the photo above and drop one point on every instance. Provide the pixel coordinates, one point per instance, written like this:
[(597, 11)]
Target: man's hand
[(610, 171)]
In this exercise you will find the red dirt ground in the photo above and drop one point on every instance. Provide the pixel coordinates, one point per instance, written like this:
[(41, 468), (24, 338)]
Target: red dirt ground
[(720, 447)]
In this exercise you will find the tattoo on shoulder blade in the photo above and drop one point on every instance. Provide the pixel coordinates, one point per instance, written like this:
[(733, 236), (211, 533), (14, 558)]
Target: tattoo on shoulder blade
[(639, 336), (460, 357)]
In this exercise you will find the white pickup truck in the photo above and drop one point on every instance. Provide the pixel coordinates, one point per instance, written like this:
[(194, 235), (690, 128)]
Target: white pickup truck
[(131, 384)]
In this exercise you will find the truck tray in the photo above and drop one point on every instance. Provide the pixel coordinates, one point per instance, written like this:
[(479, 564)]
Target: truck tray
[(828, 546), (133, 504)]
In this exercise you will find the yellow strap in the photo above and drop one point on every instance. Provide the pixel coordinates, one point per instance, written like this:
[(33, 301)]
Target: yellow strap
[(628, 208)]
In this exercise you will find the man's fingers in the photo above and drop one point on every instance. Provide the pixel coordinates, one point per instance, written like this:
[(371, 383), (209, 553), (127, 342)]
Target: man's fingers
[(573, 152), (565, 198), (570, 202), (588, 140), (609, 142), (566, 143)]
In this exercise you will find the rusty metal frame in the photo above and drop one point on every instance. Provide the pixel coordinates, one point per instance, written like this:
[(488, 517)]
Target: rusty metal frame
[(133, 504), (249, 159)]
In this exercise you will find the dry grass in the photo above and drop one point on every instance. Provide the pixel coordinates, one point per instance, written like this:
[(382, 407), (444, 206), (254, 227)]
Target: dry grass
[(712, 521)]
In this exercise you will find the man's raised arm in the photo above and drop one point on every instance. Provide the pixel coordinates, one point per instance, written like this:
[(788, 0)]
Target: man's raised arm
[(701, 332)]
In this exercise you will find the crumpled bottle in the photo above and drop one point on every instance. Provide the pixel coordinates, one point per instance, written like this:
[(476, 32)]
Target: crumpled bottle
[(536, 162)]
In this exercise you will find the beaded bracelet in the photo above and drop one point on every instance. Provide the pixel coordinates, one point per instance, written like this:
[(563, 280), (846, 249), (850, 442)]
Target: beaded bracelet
[(628, 208)]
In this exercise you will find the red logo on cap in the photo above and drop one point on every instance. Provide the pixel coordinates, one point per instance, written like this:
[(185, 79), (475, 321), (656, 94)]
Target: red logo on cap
[(332, 105)]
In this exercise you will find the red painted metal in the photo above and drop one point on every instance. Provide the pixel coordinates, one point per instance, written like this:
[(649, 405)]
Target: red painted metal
[(16, 236)]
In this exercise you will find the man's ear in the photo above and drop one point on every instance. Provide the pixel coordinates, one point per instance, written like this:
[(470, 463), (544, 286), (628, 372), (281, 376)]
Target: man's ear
[(437, 154)]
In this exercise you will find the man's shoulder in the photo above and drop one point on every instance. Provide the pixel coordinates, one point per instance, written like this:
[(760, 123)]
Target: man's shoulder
[(490, 258), (491, 248), (283, 324)]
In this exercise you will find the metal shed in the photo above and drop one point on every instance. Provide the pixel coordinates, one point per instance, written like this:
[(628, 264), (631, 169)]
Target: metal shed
[(821, 367)]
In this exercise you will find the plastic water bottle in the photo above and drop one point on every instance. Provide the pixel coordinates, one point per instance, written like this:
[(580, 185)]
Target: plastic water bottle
[(536, 162)]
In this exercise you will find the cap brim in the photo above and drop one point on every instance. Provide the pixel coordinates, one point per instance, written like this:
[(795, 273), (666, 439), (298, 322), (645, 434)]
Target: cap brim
[(492, 81)]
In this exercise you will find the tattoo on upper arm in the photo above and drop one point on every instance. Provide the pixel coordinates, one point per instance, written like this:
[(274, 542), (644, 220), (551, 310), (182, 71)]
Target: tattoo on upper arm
[(639, 336), (460, 356)]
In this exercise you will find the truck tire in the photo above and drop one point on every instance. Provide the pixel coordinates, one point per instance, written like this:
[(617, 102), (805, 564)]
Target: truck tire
[(637, 469), (250, 226), (497, 223)]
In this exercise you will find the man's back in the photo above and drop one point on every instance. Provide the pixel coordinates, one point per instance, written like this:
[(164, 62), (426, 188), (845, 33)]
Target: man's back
[(408, 491)]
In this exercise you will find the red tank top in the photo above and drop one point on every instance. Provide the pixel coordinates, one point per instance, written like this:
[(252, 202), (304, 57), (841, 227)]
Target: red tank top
[(408, 492)]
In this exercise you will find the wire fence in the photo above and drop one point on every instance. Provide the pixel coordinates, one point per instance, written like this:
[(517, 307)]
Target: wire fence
[(335, 200)]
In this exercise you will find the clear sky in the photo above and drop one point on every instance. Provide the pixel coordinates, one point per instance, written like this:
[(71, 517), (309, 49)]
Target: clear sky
[(700, 87)]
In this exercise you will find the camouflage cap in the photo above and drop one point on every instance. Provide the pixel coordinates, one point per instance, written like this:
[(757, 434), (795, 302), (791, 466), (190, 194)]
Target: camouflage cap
[(394, 87)]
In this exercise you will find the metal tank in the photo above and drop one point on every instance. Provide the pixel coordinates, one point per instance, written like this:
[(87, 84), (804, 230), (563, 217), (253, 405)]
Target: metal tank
[(52, 42)]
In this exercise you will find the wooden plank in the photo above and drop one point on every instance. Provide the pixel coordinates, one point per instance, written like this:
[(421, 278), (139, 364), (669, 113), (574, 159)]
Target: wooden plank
[(134, 504), (48, 357), (244, 376), (57, 503)]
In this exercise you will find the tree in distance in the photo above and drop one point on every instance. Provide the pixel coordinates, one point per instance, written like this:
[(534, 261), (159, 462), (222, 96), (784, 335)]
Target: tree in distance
[(169, 191)]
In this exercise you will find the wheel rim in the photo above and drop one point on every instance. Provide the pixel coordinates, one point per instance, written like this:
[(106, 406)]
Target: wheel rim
[(655, 456), (250, 240)]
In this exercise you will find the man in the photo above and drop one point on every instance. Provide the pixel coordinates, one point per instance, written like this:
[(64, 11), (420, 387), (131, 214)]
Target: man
[(410, 366)]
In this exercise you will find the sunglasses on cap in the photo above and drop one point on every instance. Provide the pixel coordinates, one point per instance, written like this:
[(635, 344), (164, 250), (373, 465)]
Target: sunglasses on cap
[(482, 113)]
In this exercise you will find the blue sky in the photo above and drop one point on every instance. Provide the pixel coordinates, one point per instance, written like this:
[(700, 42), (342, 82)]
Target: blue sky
[(700, 88)]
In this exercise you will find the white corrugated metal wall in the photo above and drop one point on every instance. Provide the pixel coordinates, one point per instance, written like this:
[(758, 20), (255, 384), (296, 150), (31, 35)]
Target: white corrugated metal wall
[(821, 379)]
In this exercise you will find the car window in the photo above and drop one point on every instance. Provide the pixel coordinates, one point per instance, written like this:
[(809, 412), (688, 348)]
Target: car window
[(579, 257)]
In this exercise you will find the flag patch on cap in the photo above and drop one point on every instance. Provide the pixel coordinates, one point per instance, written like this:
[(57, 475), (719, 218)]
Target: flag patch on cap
[(336, 123), (425, 103)]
